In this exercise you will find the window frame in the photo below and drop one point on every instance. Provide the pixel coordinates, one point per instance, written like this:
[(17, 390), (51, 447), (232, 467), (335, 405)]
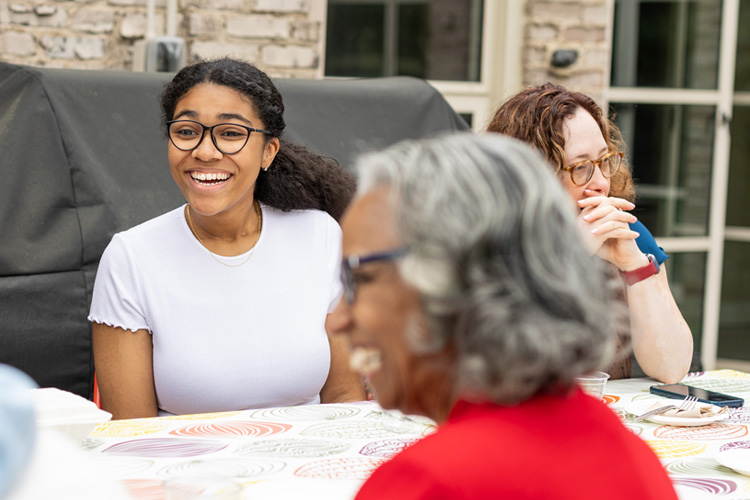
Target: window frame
[(723, 99), (502, 34)]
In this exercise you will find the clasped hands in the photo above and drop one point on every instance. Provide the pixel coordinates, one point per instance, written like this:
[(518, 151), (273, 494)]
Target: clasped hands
[(604, 222)]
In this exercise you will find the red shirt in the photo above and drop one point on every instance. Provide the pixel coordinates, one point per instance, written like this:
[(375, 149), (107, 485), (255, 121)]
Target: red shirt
[(557, 447)]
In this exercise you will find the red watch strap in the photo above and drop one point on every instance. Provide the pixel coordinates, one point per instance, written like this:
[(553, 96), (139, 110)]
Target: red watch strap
[(640, 274)]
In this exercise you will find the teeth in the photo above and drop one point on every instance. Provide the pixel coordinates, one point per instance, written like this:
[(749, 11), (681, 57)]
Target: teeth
[(200, 176), (365, 360)]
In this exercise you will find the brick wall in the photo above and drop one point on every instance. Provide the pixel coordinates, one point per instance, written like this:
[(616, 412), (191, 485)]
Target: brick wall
[(281, 36), (582, 26)]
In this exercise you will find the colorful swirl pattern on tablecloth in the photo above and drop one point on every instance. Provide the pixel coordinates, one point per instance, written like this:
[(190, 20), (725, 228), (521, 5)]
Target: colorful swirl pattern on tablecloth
[(292, 448), (306, 412), (222, 468), (705, 433), (202, 416), (627, 420), (635, 429), (340, 468), (166, 447), (128, 428), (348, 430), (397, 423), (665, 448), (610, 399), (645, 397), (232, 429), (734, 386), (386, 448), (728, 374), (623, 415), (124, 466), (712, 486), (145, 489), (735, 445), (697, 467), (738, 415)]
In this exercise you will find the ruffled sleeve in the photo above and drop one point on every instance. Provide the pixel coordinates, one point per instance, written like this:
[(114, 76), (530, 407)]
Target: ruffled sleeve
[(116, 299)]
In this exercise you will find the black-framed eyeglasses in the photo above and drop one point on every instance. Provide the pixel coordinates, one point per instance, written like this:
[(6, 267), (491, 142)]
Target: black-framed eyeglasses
[(583, 171), (349, 264), (229, 138)]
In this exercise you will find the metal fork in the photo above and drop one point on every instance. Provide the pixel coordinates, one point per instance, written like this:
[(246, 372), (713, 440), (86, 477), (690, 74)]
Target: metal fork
[(687, 404)]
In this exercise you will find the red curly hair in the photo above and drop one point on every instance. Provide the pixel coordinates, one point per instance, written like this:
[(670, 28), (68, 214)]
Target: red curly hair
[(536, 116)]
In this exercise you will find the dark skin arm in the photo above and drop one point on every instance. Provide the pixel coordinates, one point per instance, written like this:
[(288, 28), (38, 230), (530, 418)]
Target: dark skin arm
[(343, 384), (124, 371)]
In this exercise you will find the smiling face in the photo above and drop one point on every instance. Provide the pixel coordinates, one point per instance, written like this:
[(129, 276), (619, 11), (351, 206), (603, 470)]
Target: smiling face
[(584, 141), (384, 310), (215, 183)]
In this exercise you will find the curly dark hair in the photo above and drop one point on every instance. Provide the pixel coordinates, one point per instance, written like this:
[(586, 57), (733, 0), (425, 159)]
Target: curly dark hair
[(536, 116), (300, 178)]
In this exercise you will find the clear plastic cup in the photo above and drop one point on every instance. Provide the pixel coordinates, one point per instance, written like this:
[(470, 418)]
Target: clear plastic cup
[(593, 384)]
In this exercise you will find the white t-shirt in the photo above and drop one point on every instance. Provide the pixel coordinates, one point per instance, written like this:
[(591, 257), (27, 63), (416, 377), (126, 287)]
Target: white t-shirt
[(226, 338)]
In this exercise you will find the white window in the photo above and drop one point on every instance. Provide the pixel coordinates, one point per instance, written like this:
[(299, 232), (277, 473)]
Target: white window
[(673, 93)]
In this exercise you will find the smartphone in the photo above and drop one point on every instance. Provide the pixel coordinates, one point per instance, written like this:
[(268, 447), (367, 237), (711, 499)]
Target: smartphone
[(681, 391)]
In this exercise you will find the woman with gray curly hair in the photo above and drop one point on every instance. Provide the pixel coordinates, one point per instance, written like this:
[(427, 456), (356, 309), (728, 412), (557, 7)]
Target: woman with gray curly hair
[(466, 300)]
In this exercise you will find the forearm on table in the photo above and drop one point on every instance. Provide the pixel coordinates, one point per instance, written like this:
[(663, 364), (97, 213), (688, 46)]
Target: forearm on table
[(350, 393), (342, 385), (662, 341)]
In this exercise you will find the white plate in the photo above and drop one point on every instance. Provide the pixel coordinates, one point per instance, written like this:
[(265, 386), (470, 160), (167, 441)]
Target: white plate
[(641, 406), (737, 459)]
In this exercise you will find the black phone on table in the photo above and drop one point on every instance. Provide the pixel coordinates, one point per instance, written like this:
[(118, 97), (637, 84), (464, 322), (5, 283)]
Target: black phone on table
[(681, 391)]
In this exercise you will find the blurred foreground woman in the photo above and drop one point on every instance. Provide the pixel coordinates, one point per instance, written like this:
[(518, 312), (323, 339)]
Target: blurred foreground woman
[(466, 300)]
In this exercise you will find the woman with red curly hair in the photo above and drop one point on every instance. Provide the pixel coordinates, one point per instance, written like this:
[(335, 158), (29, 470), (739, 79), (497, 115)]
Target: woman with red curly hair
[(586, 150)]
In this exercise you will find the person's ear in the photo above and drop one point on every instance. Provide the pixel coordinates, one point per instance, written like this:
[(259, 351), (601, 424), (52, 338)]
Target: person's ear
[(269, 152)]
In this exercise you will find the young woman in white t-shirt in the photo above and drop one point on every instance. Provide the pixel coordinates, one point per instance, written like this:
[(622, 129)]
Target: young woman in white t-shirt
[(221, 304)]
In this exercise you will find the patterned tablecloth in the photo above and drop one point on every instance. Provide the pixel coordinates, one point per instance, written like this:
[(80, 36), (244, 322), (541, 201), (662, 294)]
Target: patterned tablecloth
[(321, 451), (689, 453), (327, 451)]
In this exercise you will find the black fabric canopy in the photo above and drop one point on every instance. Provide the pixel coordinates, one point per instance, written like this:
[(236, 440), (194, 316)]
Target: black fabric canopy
[(82, 157)]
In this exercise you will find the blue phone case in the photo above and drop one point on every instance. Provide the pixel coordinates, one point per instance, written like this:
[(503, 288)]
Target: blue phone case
[(681, 391)]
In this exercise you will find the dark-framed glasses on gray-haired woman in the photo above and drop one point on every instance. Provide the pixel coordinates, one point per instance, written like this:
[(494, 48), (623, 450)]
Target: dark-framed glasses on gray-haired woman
[(353, 262)]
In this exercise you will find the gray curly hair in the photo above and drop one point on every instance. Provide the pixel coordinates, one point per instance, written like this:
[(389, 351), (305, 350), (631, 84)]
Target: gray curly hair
[(502, 275)]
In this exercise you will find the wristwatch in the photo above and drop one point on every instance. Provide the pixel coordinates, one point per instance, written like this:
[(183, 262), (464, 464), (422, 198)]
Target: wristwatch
[(640, 274)]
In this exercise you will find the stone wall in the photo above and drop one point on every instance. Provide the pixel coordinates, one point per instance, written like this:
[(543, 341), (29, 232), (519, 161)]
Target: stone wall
[(281, 36)]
